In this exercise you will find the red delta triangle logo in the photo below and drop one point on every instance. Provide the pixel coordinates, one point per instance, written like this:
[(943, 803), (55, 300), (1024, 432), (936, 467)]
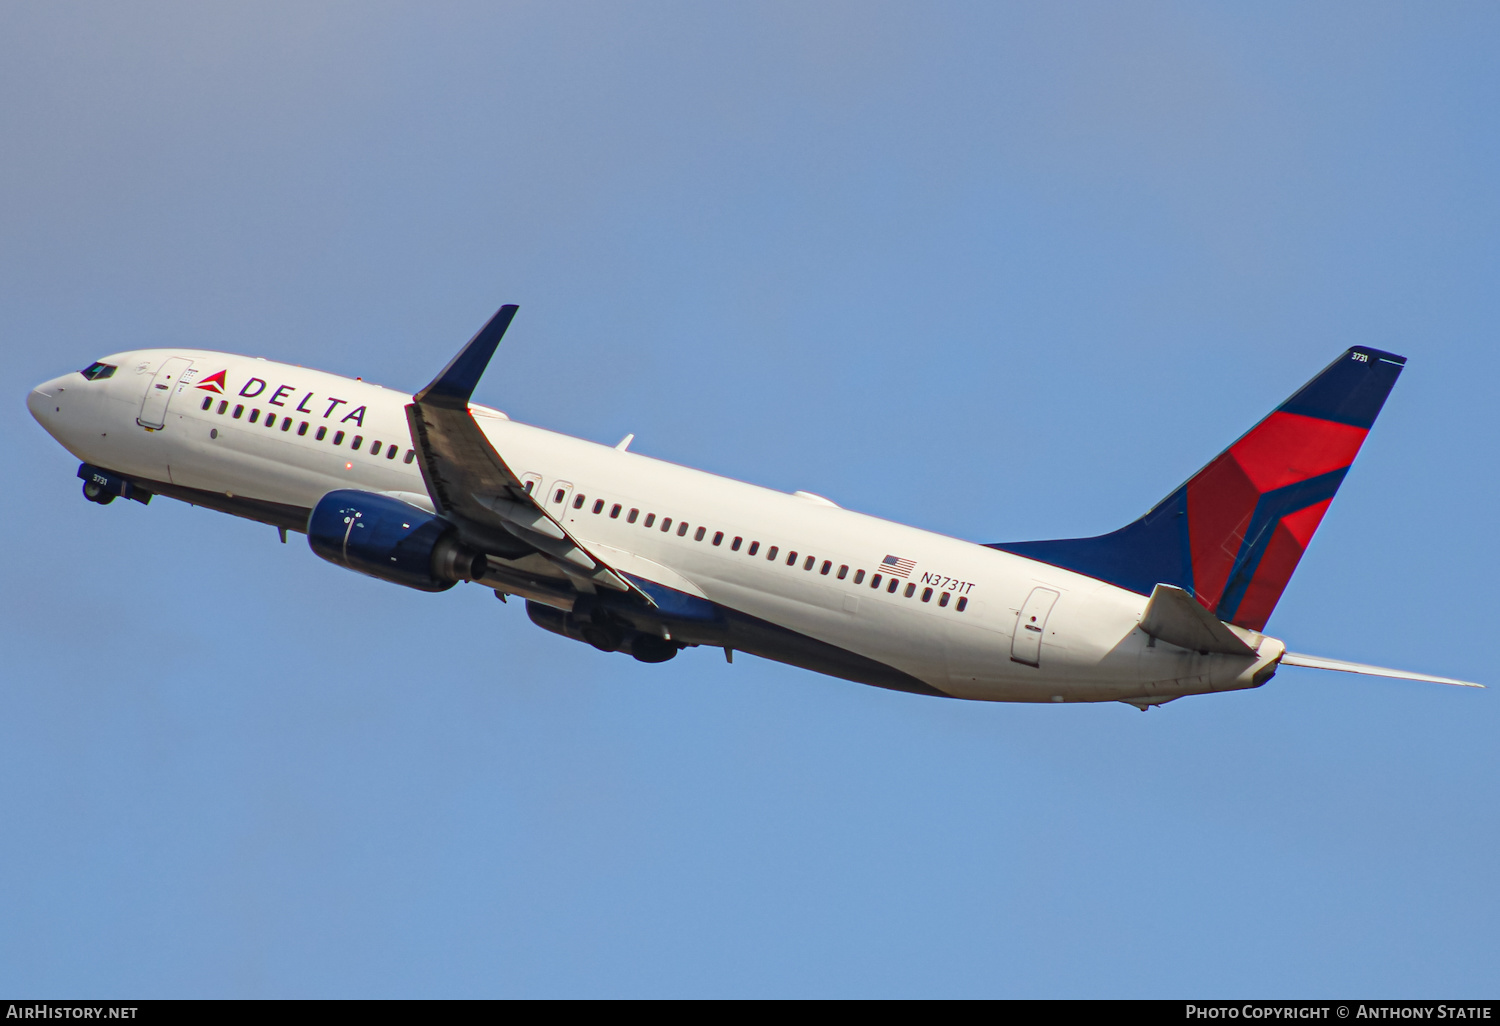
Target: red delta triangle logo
[(213, 383)]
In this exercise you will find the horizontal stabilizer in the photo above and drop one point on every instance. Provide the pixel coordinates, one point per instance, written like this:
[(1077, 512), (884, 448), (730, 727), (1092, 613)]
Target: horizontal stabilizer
[(1319, 663), (1175, 617)]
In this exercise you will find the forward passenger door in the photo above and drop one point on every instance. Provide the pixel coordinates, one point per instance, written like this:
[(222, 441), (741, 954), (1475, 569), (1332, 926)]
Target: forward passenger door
[(163, 386)]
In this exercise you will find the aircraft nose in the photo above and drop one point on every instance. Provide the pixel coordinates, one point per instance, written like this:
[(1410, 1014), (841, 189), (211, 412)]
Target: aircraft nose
[(40, 403), (44, 400)]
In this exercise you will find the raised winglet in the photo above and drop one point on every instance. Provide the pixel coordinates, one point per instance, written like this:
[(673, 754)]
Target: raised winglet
[(455, 385), (1319, 663)]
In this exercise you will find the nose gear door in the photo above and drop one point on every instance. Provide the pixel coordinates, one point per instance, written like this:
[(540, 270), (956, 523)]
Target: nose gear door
[(1031, 624), (154, 406)]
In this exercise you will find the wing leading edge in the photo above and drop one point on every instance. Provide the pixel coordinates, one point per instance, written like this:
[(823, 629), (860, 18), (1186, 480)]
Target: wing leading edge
[(472, 485)]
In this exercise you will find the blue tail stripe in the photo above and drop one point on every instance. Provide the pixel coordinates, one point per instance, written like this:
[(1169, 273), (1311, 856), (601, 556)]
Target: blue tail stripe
[(1268, 513)]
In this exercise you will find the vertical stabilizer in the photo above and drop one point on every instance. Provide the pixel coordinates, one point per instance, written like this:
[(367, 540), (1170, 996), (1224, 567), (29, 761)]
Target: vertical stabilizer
[(1232, 535)]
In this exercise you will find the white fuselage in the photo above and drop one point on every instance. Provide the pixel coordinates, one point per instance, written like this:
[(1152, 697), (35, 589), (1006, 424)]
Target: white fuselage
[(952, 622)]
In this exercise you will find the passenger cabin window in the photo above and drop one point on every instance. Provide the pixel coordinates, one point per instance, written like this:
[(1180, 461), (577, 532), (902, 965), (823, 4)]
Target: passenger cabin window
[(859, 577), (207, 402), (650, 519), (411, 454), (529, 484), (579, 501), (322, 433), (791, 558), (223, 405), (910, 590), (390, 452), (735, 547), (286, 423), (810, 562), (926, 594), (254, 416), (614, 512), (843, 571), (827, 566), (875, 581), (754, 547), (358, 441), (97, 371), (718, 537), (270, 419), (962, 603), (338, 438), (944, 597), (771, 553), (375, 447), (666, 524), (633, 514), (891, 588), (559, 494), (238, 409), (302, 428), (698, 534), (682, 529), (598, 506)]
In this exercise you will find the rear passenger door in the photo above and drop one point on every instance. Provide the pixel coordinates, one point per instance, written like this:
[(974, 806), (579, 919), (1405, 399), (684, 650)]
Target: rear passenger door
[(1031, 626)]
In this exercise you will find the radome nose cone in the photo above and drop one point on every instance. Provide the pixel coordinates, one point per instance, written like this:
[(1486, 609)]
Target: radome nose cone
[(40, 404)]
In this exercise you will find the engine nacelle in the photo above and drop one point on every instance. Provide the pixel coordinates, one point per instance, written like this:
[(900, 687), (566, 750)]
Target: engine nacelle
[(390, 539), (603, 632)]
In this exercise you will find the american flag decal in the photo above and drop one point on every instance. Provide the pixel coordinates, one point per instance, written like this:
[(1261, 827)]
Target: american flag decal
[(896, 566)]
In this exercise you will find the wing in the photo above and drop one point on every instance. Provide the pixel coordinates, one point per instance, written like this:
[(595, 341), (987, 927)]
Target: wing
[(472, 485)]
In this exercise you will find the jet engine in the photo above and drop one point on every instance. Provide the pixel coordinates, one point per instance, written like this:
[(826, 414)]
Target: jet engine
[(392, 540), (607, 634)]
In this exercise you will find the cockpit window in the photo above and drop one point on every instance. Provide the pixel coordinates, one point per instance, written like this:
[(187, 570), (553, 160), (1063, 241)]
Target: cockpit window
[(95, 371)]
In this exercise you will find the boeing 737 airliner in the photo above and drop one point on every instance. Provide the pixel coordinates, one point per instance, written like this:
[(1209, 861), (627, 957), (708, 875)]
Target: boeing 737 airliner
[(635, 555)]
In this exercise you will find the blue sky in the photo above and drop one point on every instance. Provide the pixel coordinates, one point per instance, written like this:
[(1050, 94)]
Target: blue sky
[(1001, 271)]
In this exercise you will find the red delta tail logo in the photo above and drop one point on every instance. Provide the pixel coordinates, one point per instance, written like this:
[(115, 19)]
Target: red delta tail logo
[(1252, 511), (213, 383)]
